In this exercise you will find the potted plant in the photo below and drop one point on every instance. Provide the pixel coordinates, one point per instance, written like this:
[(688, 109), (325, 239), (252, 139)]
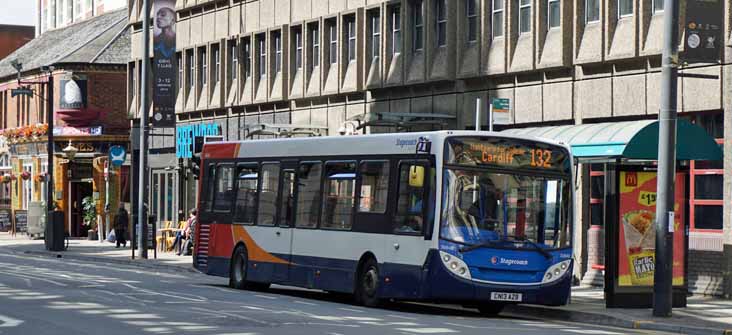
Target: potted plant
[(25, 175), (6, 178), (89, 206)]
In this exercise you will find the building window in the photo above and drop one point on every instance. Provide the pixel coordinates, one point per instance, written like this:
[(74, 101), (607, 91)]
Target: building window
[(418, 40), (396, 30), (234, 56), (314, 45), (133, 80), (203, 68), (278, 51), (189, 64), (553, 13), (179, 59), (247, 50), (625, 8), (657, 6), (524, 16), (375, 20), (441, 22), (351, 35), (471, 12), (497, 18), (262, 64), (333, 34), (217, 63), (297, 32), (592, 10)]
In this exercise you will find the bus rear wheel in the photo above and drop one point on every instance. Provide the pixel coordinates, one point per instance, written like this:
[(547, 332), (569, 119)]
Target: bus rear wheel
[(368, 284), (238, 269), (490, 309)]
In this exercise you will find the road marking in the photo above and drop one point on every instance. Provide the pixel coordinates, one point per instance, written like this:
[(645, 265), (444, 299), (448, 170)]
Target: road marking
[(42, 297), (402, 317), (403, 324), (161, 330), (75, 305), (592, 331), (359, 318), (265, 296), (305, 303), (197, 328), (484, 327), (142, 323), (427, 330), (8, 322), (352, 310), (135, 316)]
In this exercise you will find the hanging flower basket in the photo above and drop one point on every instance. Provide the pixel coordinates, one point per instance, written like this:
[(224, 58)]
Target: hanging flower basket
[(13, 177), (6, 178), (25, 175), (41, 177)]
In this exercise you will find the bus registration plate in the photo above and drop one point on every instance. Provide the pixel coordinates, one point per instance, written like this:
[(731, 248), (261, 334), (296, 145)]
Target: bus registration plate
[(504, 296)]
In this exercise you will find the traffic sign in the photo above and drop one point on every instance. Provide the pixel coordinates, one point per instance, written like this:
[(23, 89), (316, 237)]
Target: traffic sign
[(501, 110), (21, 91), (117, 155)]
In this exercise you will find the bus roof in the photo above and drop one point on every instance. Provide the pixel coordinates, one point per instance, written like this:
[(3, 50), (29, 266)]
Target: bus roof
[(373, 144)]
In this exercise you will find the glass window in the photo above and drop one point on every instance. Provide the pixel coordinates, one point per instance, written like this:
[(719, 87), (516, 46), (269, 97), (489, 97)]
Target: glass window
[(314, 45), (298, 48), (234, 56), (708, 186), (262, 45), (497, 18), (351, 31), (396, 30), (409, 216), (203, 70), (418, 38), (374, 186), (270, 177), (524, 16), (287, 201), (625, 8), (217, 64), (375, 34), (191, 82), (246, 197), (441, 22), (247, 50), (333, 34), (211, 182), (708, 217), (598, 187), (278, 52), (592, 10), (338, 195), (308, 194), (179, 59), (553, 13), (597, 217), (471, 12), (224, 192)]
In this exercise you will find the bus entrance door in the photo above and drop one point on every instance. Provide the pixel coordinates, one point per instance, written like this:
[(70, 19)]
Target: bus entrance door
[(285, 214)]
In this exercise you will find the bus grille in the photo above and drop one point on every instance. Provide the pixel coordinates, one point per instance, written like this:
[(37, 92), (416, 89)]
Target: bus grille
[(202, 247)]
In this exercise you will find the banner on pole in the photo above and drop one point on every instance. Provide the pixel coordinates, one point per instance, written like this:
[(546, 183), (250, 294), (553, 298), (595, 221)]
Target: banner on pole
[(164, 63), (703, 39)]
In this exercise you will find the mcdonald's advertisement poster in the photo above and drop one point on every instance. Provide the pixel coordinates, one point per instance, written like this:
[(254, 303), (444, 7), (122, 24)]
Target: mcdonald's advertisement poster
[(637, 229)]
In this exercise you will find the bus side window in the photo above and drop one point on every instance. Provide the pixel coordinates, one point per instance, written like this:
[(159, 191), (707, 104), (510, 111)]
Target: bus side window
[(339, 195), (409, 218), (308, 194), (374, 186), (209, 187), (224, 192), (270, 178), (287, 198), (246, 196)]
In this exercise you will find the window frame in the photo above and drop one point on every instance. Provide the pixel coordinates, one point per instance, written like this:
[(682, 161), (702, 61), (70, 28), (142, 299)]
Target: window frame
[(181, 70), (417, 11), (657, 10), (234, 57), (261, 56), (203, 68), (216, 57), (191, 80), (332, 41), (359, 183), (427, 164), (319, 193), (522, 7), (501, 11), (693, 201), (620, 13), (549, 14), (375, 24), (260, 183), (277, 44), (216, 188), (471, 35), (324, 188), (297, 40), (350, 36), (314, 45), (588, 20), (395, 17), (235, 213), (440, 23)]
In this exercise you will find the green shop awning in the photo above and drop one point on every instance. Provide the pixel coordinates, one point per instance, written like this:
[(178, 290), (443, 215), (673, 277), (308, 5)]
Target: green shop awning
[(627, 140)]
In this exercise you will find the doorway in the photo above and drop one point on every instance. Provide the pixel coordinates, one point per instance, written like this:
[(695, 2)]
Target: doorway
[(78, 191)]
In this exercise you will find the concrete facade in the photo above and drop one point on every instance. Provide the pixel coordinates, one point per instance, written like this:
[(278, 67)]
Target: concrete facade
[(587, 67)]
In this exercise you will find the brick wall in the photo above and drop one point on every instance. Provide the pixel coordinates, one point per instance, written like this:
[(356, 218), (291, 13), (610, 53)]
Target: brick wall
[(14, 37), (705, 272)]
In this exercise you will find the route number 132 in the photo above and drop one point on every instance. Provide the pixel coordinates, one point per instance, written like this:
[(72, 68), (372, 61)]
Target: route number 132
[(541, 158)]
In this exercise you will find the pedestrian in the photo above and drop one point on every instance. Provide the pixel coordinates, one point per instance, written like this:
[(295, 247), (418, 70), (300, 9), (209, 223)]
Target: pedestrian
[(188, 232), (120, 226)]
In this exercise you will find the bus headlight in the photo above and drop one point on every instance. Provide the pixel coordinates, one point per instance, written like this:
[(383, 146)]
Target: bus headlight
[(556, 271), (455, 265)]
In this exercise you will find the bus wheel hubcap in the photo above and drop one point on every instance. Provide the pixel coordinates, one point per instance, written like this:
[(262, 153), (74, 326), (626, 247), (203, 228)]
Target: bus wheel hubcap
[(239, 271), (369, 283)]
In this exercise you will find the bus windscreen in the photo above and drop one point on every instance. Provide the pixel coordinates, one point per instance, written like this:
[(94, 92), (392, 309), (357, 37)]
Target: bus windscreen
[(507, 153)]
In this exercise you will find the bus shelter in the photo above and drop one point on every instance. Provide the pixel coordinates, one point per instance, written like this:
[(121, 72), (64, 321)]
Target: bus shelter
[(628, 151)]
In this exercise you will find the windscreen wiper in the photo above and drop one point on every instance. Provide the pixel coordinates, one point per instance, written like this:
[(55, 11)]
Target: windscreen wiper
[(536, 246), (478, 245)]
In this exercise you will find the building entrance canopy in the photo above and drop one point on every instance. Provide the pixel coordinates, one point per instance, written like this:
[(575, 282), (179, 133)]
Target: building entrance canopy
[(632, 140)]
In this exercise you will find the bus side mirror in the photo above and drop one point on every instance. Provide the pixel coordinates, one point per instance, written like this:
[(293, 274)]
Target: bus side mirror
[(416, 176)]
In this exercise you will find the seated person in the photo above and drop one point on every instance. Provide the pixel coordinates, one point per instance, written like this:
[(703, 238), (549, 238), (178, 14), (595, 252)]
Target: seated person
[(412, 224)]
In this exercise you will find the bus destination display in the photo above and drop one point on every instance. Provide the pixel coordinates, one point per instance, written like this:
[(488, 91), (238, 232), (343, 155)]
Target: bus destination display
[(506, 153)]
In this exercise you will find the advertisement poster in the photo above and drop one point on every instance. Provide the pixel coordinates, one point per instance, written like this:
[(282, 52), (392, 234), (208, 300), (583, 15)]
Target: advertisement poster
[(164, 63), (703, 35), (637, 233), (73, 93)]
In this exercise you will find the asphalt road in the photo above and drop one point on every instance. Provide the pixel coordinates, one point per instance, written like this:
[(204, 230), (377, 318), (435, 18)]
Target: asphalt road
[(59, 296)]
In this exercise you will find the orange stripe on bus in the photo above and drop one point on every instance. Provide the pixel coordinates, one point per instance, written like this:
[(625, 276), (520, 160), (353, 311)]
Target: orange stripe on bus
[(254, 251)]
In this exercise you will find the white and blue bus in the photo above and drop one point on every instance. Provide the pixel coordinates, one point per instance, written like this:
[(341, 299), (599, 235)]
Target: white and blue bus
[(475, 218)]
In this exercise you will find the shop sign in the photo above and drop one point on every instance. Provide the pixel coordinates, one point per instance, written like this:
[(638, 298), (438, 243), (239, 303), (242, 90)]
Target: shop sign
[(637, 229), (73, 93), (66, 131), (185, 137), (87, 147), (703, 30), (164, 63), (28, 149)]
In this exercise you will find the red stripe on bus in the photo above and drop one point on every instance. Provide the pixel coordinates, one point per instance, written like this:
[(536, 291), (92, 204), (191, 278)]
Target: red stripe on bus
[(224, 150)]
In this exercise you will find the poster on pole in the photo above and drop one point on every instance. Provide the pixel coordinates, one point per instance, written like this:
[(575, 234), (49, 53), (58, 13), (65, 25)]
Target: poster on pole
[(164, 63), (703, 38), (501, 110), (637, 231)]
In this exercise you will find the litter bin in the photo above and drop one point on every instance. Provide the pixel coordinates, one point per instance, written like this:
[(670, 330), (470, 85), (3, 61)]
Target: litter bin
[(55, 236)]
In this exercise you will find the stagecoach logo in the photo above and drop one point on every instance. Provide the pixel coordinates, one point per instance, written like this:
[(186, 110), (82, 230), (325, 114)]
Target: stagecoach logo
[(403, 143), (500, 260)]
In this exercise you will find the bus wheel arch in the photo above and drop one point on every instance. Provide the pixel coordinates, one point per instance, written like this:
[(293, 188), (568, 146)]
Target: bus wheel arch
[(366, 283), (238, 267)]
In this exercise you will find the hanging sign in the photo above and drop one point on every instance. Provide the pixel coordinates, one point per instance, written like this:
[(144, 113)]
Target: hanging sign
[(501, 110), (164, 63), (703, 31)]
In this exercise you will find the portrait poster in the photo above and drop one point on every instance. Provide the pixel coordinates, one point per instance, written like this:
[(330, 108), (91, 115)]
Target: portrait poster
[(164, 64), (637, 231)]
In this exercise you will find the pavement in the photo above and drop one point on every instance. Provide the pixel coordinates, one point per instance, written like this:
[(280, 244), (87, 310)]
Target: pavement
[(703, 314)]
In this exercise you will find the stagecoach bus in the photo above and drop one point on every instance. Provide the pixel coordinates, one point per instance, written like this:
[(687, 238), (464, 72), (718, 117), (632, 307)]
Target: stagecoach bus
[(475, 218)]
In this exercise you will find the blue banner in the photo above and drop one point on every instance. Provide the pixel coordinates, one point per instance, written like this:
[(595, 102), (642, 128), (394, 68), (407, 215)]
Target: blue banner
[(185, 136)]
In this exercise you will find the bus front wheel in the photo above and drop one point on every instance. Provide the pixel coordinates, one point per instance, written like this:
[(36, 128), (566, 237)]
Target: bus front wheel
[(368, 284), (238, 269)]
